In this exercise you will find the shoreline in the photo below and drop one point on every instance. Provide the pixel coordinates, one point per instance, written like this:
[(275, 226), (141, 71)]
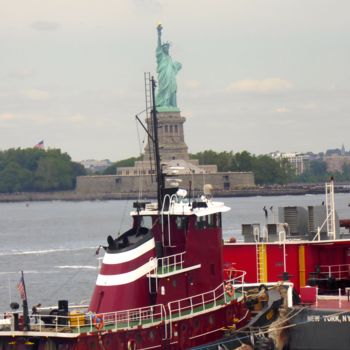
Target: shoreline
[(296, 190)]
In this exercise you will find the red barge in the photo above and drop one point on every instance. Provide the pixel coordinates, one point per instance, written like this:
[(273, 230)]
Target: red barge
[(307, 249)]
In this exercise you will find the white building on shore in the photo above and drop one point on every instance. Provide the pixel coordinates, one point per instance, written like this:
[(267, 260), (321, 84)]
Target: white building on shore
[(299, 161)]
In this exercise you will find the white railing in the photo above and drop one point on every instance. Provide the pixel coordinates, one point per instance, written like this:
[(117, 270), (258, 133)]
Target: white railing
[(238, 278), (170, 263), (87, 322), (336, 271), (197, 303), (205, 301), (167, 264), (135, 317), (171, 199)]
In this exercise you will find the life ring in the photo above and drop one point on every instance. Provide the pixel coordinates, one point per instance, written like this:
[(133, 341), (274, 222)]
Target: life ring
[(98, 322), (229, 289)]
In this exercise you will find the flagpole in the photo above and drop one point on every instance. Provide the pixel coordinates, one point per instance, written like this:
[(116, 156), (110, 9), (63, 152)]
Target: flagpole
[(25, 307)]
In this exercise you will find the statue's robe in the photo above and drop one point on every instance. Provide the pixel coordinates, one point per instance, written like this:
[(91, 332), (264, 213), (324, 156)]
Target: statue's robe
[(167, 70)]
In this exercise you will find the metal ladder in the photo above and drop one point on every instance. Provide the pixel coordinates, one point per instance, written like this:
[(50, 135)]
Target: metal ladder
[(261, 273), (148, 99), (330, 210), (148, 95)]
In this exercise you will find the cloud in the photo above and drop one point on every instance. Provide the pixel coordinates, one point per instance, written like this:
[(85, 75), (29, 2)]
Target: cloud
[(118, 92), (7, 116), (36, 94), (21, 73), (45, 26), (259, 86), (192, 84), (310, 106), (282, 110), (76, 118)]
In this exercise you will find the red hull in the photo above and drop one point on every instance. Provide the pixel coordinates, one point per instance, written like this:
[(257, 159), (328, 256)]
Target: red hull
[(302, 260)]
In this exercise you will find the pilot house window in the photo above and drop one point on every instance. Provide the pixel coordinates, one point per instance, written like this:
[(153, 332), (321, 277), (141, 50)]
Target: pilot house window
[(201, 222), (213, 220), (181, 222)]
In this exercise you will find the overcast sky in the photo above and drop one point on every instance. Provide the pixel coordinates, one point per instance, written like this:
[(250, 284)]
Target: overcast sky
[(257, 75)]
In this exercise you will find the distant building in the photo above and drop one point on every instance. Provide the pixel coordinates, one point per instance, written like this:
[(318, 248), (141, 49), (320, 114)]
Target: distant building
[(335, 163), (336, 159), (300, 162), (342, 151), (94, 166)]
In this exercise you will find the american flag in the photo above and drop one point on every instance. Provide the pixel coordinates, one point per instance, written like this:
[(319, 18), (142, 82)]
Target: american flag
[(40, 145), (22, 289)]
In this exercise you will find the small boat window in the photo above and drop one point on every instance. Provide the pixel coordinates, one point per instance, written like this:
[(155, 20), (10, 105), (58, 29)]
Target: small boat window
[(218, 219), (201, 222), (181, 222), (211, 220)]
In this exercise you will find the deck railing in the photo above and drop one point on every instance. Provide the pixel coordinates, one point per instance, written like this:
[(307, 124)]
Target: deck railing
[(170, 263), (197, 303), (150, 315), (204, 301), (90, 322), (237, 278), (338, 272), (81, 321)]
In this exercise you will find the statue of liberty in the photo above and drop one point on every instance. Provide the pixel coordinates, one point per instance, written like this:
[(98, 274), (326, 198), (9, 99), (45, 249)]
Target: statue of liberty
[(167, 70)]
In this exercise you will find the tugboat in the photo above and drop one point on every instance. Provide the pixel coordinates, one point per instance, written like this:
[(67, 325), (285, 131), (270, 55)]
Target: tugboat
[(161, 284)]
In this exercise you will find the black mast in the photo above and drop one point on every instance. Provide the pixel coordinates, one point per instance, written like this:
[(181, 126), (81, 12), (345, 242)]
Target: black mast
[(160, 180)]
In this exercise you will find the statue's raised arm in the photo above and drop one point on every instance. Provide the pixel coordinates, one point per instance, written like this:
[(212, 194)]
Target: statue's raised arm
[(167, 70), (159, 29)]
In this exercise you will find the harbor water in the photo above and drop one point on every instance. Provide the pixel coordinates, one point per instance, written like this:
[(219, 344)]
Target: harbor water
[(55, 242)]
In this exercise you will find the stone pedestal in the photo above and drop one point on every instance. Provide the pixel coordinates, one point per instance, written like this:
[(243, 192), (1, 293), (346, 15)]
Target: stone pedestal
[(170, 135)]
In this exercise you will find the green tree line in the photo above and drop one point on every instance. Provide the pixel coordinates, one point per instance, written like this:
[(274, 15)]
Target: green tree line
[(27, 170), (265, 169), (31, 169), (112, 169), (268, 170)]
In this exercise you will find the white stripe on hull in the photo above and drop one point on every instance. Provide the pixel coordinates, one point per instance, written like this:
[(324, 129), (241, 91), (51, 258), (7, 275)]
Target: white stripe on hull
[(119, 258), (124, 278)]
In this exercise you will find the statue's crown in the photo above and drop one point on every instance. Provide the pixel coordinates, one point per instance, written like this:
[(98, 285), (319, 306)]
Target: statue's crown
[(166, 44)]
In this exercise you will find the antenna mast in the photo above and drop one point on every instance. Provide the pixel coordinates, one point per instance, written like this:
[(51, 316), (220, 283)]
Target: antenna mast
[(160, 184)]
